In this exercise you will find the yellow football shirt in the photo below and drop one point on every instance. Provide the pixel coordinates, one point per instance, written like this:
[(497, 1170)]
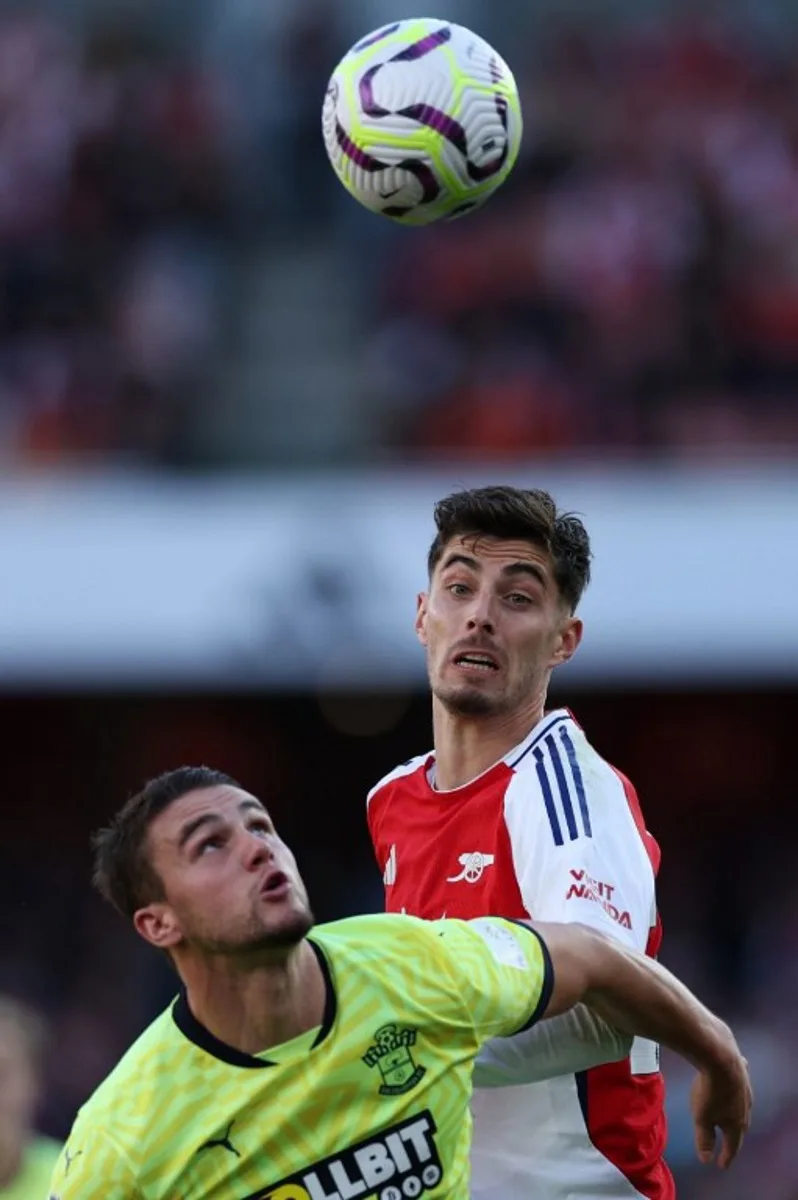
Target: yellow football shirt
[(374, 1105)]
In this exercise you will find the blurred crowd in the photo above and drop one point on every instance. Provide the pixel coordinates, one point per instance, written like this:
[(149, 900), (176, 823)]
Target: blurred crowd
[(115, 237), (633, 289)]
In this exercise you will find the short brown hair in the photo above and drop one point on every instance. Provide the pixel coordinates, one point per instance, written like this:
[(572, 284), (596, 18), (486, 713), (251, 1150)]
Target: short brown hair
[(123, 873), (529, 514)]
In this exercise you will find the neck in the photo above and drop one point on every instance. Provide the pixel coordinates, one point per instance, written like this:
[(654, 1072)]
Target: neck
[(254, 1006), (466, 746)]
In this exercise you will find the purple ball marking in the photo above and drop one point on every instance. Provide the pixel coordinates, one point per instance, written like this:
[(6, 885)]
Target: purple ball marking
[(354, 152), (366, 89), (409, 54), (433, 118), (376, 37), (480, 174), (429, 184), (424, 45), (426, 115)]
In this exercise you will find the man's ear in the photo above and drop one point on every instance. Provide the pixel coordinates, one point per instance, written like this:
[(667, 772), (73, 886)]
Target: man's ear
[(421, 617), (567, 643), (158, 925)]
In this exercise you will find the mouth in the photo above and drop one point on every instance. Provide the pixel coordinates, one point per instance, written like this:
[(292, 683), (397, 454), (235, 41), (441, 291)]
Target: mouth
[(275, 886), (478, 662)]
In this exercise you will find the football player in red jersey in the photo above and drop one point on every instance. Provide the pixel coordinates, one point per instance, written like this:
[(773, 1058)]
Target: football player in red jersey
[(515, 814)]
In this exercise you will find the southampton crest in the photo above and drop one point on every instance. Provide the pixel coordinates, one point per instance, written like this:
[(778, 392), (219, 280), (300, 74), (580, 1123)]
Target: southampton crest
[(391, 1053)]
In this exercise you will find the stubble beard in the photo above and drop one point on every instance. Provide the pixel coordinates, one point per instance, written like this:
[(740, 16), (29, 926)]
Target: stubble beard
[(469, 702), (259, 941)]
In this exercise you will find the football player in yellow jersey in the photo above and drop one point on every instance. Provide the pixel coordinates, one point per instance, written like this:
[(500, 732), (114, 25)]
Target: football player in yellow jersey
[(331, 1063), (26, 1158)]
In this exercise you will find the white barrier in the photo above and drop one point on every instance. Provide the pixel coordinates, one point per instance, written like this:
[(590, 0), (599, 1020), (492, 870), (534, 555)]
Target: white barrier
[(301, 581)]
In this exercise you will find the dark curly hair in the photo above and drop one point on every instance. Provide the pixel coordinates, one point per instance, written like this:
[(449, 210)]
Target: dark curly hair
[(529, 514)]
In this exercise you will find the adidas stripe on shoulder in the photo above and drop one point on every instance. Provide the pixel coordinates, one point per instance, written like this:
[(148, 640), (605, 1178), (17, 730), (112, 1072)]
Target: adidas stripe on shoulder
[(553, 757)]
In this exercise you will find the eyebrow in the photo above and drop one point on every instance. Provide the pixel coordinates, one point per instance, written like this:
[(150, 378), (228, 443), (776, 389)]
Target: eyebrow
[(210, 818), (512, 569)]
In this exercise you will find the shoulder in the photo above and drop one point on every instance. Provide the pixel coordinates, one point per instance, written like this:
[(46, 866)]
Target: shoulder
[(558, 747), (572, 792), (376, 932), (379, 943), (135, 1084), (403, 771), (385, 934), (387, 954)]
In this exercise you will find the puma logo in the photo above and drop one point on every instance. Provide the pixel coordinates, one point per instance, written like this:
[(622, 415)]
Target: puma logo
[(69, 1159), (224, 1142)]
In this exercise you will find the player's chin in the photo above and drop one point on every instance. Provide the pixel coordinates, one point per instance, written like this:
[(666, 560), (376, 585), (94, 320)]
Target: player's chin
[(470, 699), (289, 923), (291, 928)]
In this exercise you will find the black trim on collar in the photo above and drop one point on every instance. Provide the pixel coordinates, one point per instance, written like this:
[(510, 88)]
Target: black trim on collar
[(196, 1032), (331, 1000), (188, 1025)]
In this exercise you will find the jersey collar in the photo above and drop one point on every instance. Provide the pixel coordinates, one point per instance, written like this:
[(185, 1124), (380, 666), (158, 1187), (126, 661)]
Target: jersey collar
[(536, 734), (196, 1032), (548, 722)]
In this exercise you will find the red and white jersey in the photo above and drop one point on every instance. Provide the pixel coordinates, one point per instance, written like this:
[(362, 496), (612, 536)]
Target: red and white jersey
[(551, 832)]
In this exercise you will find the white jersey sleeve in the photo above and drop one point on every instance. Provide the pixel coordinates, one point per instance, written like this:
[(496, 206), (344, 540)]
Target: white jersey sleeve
[(578, 852), (578, 856), (564, 1045)]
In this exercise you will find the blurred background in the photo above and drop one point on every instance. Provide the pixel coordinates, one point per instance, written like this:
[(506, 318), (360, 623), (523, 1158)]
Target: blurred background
[(229, 398)]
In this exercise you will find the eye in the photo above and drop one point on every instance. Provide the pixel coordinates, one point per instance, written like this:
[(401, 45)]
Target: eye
[(458, 589), (519, 599), (261, 828), (214, 842)]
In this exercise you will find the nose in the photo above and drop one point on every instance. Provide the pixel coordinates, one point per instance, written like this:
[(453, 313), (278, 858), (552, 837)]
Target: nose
[(257, 851), (480, 614)]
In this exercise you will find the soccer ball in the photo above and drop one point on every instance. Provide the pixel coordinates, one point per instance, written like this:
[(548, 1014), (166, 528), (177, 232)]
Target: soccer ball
[(422, 121)]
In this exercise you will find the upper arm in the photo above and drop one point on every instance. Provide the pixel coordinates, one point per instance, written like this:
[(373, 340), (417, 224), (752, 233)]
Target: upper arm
[(92, 1167), (573, 951), (501, 972), (577, 852)]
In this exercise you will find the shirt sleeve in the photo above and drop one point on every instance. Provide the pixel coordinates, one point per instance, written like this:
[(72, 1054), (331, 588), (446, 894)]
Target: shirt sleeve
[(501, 970), (577, 850), (563, 1045), (92, 1167)]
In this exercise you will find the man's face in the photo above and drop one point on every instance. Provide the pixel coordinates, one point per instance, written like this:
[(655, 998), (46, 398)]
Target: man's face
[(231, 886), (493, 625)]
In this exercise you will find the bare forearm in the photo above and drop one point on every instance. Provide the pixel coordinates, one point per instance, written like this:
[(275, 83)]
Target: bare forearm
[(639, 996)]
